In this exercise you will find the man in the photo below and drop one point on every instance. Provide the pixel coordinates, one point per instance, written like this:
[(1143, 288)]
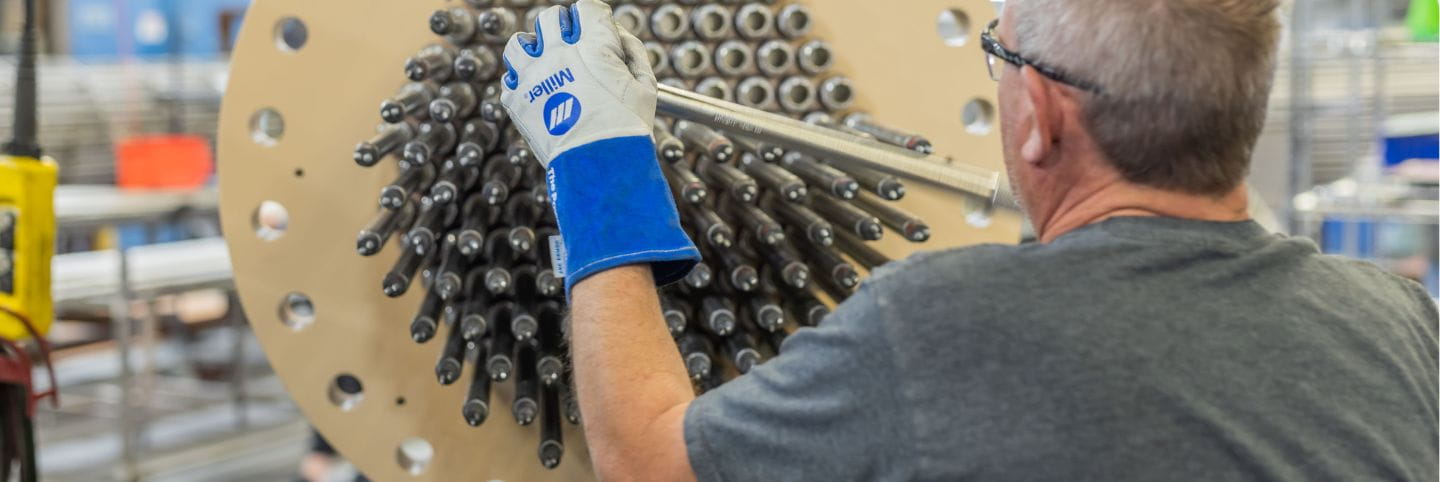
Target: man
[(1153, 333)]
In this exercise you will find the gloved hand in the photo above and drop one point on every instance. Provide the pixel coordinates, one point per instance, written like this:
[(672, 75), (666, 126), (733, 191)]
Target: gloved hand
[(582, 93)]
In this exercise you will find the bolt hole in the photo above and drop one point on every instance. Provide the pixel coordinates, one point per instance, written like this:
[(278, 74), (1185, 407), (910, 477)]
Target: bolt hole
[(296, 311), (345, 392), (299, 172), (267, 127), (291, 34), (270, 220), (954, 27), (399, 401), (978, 117), (414, 454)]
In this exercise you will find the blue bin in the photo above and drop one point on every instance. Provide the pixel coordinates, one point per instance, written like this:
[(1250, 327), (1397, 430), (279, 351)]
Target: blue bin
[(116, 29)]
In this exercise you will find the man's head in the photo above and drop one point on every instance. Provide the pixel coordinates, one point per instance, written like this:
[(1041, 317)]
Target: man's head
[(1166, 95)]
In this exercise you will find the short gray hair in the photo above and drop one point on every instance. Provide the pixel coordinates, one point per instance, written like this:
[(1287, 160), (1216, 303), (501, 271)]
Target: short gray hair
[(1185, 82)]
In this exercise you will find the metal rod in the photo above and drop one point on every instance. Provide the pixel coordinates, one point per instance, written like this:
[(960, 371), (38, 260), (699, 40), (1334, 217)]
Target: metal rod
[(837, 147)]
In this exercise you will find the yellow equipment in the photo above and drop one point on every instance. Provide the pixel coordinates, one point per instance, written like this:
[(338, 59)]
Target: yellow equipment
[(27, 242)]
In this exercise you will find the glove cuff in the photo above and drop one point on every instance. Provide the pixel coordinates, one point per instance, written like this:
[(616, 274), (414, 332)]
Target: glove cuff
[(614, 208)]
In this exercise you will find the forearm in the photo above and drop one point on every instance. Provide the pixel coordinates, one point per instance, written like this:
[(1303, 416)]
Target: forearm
[(631, 383)]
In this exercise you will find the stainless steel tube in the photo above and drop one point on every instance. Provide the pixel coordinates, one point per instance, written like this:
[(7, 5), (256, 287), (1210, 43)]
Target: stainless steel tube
[(712, 22), (836, 147), (797, 94), (793, 21), (815, 57), (669, 23), (755, 21), (775, 58), (735, 59)]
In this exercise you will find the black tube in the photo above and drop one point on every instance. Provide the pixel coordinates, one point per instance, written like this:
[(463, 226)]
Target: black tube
[(25, 141), (389, 138), (806, 310), (685, 185), (740, 349), (766, 314), (432, 141), (786, 263), (860, 251), (813, 226), (552, 443), (715, 145), (737, 272), (377, 233), (847, 217), (427, 318), (410, 181), (413, 100), (717, 315), (434, 62), (729, 179), (774, 178), (676, 313), (527, 386), (767, 232), (500, 364), (477, 137), (908, 225), (713, 230), (822, 176), (447, 369), (402, 273), (477, 398), (695, 351)]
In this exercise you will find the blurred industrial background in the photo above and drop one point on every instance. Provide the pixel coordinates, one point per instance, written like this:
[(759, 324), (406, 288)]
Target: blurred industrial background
[(160, 378)]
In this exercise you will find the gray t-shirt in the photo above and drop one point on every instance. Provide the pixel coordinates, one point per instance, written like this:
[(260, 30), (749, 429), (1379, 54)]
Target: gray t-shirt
[(1132, 349)]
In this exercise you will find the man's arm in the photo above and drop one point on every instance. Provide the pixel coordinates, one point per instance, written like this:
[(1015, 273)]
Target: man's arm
[(632, 386)]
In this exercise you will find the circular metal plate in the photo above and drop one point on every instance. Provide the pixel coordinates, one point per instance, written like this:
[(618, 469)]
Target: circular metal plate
[(322, 98)]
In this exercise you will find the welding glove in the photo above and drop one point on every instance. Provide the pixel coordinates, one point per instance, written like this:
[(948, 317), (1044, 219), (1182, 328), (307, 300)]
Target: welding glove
[(582, 93)]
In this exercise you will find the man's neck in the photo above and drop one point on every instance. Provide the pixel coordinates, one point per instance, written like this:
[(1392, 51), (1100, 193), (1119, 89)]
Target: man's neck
[(1118, 198)]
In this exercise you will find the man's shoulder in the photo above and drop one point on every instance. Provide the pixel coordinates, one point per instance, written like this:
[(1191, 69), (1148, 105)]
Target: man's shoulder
[(978, 267)]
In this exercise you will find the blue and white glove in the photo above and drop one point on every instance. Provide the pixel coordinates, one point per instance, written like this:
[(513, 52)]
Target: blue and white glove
[(582, 93)]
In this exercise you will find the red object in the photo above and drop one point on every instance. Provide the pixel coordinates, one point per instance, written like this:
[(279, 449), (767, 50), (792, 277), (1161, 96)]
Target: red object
[(164, 162)]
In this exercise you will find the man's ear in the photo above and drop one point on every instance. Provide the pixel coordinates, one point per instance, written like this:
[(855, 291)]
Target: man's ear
[(1039, 137)]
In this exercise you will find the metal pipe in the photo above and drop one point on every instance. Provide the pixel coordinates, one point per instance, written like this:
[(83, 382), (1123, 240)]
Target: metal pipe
[(659, 59), (735, 59), (836, 93), (690, 59), (797, 94), (632, 19), (775, 58), (895, 137), (815, 57), (755, 21), (756, 93), (794, 21), (712, 22), (669, 23), (837, 147)]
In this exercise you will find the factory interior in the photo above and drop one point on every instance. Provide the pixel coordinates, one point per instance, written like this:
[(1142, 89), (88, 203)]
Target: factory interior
[(279, 240)]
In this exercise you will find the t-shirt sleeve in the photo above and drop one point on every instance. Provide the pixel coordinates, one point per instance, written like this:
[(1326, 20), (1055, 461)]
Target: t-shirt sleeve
[(830, 407)]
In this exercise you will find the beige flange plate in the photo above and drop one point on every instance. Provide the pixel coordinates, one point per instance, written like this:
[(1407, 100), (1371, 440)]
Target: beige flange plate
[(327, 93)]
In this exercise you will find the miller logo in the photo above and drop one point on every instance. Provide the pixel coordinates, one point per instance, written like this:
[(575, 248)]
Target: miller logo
[(562, 111)]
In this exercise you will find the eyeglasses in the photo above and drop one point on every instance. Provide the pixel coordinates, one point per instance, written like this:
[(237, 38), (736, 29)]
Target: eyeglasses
[(993, 49)]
